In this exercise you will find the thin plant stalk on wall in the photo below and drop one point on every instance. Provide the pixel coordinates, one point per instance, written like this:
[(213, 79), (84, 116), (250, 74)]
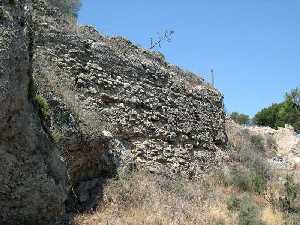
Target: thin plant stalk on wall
[(165, 36)]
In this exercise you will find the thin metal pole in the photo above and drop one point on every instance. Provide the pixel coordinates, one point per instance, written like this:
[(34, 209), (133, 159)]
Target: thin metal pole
[(212, 77)]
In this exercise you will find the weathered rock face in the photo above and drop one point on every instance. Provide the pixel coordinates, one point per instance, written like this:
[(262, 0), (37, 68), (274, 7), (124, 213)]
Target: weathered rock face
[(286, 142), (113, 103), (32, 177), (279, 148)]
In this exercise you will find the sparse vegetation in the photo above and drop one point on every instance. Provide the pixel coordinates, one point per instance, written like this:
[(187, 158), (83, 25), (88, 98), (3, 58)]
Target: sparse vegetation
[(142, 198), (252, 157), (245, 193), (258, 142), (233, 203), (55, 136), (290, 194), (246, 180), (43, 106), (258, 183), (240, 118), (249, 213), (94, 106), (165, 36), (67, 6)]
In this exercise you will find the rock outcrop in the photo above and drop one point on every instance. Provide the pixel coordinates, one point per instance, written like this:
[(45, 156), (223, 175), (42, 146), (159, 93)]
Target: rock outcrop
[(286, 142), (281, 147), (32, 176), (285, 138), (105, 102), (113, 103)]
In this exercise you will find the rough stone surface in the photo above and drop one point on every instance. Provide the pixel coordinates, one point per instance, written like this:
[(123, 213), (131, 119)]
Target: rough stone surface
[(285, 138), (281, 147), (32, 176), (113, 103), (288, 147)]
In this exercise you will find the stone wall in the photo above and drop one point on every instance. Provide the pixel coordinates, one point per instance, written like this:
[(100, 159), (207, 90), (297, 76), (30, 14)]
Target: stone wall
[(285, 138), (113, 103)]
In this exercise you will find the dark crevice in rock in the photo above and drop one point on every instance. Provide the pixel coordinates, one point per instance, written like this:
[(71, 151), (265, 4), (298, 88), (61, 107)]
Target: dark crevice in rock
[(30, 69), (86, 195)]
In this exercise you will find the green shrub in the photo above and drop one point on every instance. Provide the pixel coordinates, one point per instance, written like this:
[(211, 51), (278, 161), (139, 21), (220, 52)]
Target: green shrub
[(287, 201), (248, 151), (240, 118), (222, 177), (253, 159), (277, 115), (258, 141), (43, 106), (258, 183), (55, 136), (67, 6), (247, 180), (179, 187), (125, 190), (248, 213), (241, 180), (293, 218), (12, 2), (233, 203)]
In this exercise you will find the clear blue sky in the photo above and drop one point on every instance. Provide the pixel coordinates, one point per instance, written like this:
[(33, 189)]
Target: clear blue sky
[(253, 45)]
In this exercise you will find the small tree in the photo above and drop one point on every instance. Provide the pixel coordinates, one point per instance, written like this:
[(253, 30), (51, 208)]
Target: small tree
[(277, 115), (67, 6), (295, 97), (268, 116), (240, 118)]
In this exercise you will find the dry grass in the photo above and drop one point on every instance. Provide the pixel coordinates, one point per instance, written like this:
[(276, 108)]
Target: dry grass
[(140, 198), (272, 217), (147, 199), (143, 198)]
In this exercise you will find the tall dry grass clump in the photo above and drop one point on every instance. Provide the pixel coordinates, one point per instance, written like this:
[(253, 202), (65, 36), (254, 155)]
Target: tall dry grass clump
[(143, 198), (243, 192)]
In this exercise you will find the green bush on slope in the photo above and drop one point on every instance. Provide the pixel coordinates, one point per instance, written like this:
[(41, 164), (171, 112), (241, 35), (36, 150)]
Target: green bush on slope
[(43, 106), (277, 115)]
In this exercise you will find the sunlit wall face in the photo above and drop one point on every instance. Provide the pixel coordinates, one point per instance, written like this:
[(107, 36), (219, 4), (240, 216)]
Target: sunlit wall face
[(252, 46)]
